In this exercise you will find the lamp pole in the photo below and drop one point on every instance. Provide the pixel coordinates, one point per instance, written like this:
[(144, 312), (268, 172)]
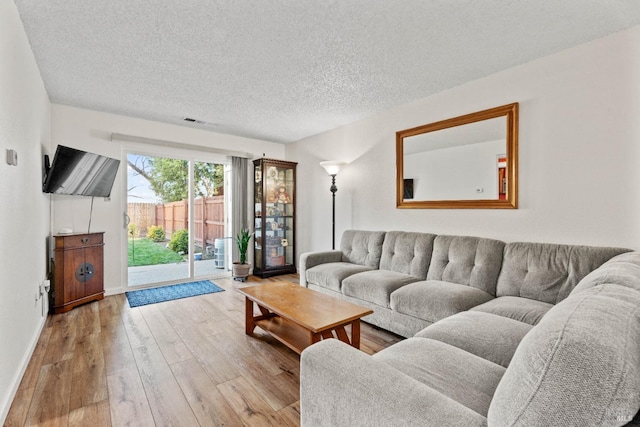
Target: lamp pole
[(332, 168), (333, 190)]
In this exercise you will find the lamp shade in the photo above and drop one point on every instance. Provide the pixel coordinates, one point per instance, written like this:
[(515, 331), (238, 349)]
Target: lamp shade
[(333, 167)]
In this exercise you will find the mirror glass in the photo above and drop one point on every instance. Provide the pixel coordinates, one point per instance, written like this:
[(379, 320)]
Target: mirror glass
[(465, 162)]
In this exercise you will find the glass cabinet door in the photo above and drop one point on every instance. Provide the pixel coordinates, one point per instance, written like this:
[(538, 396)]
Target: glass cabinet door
[(257, 237), (274, 193)]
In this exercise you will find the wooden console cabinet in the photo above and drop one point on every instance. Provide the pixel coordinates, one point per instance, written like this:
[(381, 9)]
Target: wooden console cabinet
[(78, 270)]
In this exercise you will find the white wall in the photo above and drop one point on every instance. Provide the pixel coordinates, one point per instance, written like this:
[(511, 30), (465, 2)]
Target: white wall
[(24, 209), (455, 173), (91, 131), (579, 152)]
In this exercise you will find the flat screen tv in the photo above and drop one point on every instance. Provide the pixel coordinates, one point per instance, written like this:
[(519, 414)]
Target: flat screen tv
[(78, 173)]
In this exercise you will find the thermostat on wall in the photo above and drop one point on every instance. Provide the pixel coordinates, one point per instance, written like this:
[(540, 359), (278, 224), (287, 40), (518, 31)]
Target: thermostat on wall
[(12, 157)]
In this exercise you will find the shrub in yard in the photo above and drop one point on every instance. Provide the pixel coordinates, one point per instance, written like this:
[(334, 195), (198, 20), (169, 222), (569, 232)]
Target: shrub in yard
[(155, 233), (133, 230), (180, 241)]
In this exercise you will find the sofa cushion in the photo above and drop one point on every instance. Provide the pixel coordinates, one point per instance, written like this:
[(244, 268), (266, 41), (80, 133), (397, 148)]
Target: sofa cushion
[(408, 253), (342, 386), (548, 272), (362, 247), (621, 270), (433, 300), (489, 336), (462, 376), (471, 261), (580, 366), (522, 309), (332, 274), (375, 286)]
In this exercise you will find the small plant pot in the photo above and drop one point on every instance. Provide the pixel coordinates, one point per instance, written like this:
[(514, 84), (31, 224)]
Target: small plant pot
[(240, 271)]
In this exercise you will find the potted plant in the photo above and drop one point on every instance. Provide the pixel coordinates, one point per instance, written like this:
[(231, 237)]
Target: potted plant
[(240, 270)]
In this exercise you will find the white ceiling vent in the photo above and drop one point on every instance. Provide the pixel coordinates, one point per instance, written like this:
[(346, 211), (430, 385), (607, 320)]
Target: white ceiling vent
[(199, 122)]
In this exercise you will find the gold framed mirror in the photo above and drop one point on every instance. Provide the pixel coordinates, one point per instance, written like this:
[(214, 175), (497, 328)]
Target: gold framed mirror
[(467, 162)]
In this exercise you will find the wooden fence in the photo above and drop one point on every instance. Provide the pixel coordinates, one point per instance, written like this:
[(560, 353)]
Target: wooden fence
[(143, 215), (208, 213), (209, 220), (173, 216)]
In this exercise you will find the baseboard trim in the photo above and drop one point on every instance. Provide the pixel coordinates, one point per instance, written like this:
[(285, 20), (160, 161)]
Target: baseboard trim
[(113, 291)]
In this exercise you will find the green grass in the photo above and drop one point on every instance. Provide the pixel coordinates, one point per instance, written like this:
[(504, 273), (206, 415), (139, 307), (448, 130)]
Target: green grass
[(150, 253)]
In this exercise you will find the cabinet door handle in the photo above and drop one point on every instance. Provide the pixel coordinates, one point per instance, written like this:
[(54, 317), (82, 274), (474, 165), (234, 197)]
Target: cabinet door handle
[(84, 240), (84, 272)]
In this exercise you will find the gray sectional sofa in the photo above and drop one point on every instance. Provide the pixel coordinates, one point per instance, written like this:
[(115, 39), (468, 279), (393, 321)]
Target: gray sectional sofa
[(500, 334)]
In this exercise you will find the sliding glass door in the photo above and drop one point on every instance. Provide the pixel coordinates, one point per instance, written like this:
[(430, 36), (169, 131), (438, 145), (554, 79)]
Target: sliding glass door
[(176, 214)]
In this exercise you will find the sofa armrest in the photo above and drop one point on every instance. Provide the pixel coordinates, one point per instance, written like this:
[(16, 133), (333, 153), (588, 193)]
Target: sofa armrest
[(311, 259), (342, 386)]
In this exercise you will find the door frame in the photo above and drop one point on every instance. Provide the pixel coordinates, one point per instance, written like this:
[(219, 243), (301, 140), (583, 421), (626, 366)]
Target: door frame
[(191, 156)]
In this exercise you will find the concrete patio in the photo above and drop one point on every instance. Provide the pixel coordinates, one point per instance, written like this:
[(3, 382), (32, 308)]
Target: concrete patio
[(149, 274)]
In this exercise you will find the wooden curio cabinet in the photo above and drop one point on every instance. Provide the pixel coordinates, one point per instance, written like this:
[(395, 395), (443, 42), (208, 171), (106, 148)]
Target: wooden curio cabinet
[(275, 217)]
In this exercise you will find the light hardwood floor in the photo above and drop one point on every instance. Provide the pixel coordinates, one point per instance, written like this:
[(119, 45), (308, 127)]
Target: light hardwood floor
[(180, 363)]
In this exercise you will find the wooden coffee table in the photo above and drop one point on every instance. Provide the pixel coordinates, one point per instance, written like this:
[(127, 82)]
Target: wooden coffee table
[(299, 317)]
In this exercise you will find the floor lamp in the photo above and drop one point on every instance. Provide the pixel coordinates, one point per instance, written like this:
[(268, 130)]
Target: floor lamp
[(332, 168)]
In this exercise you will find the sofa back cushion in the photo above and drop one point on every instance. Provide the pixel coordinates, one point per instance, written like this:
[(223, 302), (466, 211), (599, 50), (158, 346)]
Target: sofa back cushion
[(548, 272), (408, 253), (471, 261), (362, 247), (623, 270), (579, 366)]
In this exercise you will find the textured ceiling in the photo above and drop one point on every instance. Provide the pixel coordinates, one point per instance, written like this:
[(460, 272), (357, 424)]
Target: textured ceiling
[(282, 70)]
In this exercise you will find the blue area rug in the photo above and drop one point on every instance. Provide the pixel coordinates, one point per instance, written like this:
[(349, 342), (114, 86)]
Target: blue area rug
[(168, 293)]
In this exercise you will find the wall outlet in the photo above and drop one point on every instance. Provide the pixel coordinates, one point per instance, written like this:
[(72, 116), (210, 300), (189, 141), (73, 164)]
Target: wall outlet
[(45, 286)]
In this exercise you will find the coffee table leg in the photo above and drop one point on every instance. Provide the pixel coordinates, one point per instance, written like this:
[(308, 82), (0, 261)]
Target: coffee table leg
[(342, 334), (314, 337), (249, 324), (355, 333), (327, 334)]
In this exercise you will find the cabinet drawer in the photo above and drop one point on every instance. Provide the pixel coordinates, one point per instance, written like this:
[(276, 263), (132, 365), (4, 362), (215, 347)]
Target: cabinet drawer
[(79, 240)]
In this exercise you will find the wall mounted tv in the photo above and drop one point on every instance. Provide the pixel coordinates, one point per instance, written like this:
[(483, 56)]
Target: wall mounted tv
[(76, 172)]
